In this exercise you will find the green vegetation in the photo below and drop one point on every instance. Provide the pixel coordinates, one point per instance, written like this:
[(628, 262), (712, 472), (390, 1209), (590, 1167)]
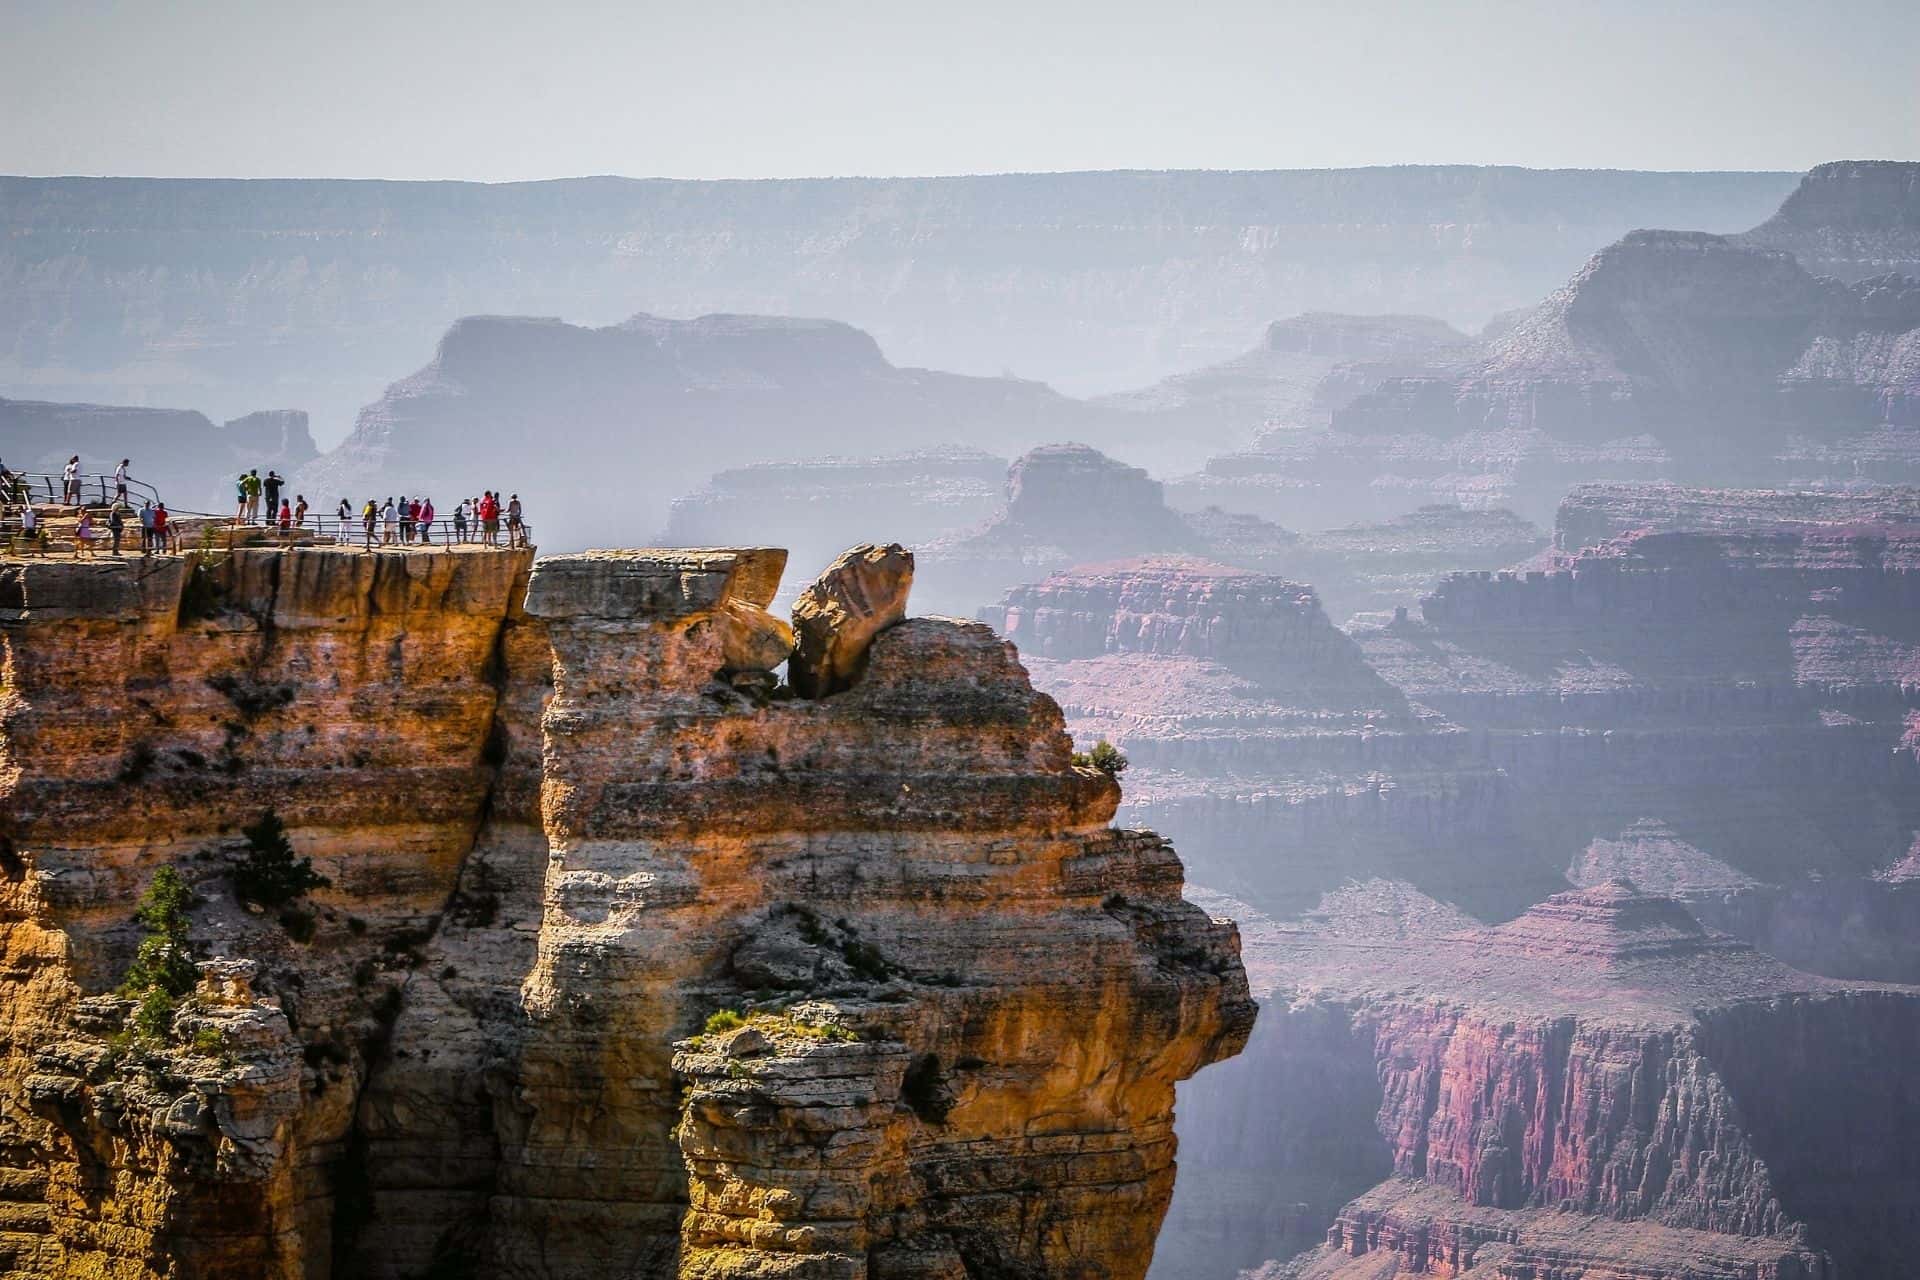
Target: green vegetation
[(1105, 757), (163, 969), (724, 1020), (271, 875)]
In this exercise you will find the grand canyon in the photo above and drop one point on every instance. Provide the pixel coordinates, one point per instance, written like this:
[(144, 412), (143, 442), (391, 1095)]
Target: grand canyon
[(1339, 723)]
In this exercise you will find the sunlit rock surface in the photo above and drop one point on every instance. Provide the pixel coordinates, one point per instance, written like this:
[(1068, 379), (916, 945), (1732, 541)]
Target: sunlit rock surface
[(561, 830)]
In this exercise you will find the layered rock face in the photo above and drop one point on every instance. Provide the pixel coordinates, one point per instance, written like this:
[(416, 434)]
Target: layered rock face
[(1722, 715), (1603, 1087), (234, 294), (1672, 355), (1853, 219), (1731, 357), (1258, 730), (562, 827), (183, 455)]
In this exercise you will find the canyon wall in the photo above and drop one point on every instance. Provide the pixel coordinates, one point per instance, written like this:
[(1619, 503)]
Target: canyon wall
[(566, 813), (234, 294)]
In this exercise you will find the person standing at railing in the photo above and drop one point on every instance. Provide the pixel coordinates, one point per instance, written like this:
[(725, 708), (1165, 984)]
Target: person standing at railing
[(514, 536), (146, 528), (272, 486), (389, 523), (70, 482), (490, 517), (116, 522), (426, 521), (460, 521), (120, 480), (344, 514), (240, 498), (369, 514), (300, 511), (160, 530), (252, 486)]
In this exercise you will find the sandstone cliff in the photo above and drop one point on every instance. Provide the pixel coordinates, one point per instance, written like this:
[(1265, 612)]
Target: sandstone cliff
[(562, 827)]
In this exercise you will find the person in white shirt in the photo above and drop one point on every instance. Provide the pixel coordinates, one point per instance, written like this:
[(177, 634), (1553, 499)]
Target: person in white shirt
[(70, 481), (390, 523), (120, 481)]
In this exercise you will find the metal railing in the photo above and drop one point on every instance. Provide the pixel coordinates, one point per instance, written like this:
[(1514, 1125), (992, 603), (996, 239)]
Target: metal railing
[(96, 489), (441, 531)]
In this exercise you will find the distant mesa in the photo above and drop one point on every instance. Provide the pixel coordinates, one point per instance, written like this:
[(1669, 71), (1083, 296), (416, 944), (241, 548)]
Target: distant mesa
[(1852, 219)]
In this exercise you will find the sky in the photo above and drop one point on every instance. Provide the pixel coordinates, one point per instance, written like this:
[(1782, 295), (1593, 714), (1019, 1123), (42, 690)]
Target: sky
[(493, 90)]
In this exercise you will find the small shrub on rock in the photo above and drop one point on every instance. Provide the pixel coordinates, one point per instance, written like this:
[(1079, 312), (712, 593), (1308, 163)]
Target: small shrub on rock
[(163, 968), (1105, 757), (271, 875), (721, 1021)]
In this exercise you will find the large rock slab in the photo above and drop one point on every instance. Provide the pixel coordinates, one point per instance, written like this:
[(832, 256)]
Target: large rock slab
[(835, 620)]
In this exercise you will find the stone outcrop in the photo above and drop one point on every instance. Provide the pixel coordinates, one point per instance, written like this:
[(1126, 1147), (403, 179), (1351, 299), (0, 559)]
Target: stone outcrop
[(836, 619), (560, 832)]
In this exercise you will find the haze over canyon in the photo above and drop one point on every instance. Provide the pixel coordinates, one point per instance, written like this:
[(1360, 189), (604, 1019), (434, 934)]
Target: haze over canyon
[(1126, 725)]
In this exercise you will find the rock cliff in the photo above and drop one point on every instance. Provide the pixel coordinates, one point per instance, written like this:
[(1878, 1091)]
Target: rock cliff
[(627, 956), (1603, 1087), (1852, 219)]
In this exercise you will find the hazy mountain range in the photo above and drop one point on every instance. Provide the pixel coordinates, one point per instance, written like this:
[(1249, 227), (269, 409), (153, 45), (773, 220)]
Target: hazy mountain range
[(229, 296)]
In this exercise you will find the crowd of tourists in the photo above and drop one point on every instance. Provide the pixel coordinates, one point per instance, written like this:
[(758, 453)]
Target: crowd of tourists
[(114, 528), (258, 501)]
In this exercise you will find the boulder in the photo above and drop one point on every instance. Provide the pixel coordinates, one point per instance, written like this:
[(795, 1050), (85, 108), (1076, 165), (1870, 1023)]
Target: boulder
[(752, 639), (835, 620)]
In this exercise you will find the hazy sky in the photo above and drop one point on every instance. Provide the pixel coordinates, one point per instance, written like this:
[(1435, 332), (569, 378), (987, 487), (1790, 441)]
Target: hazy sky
[(494, 90)]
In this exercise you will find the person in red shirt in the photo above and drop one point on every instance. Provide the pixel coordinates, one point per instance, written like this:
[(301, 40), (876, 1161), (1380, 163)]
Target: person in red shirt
[(160, 527)]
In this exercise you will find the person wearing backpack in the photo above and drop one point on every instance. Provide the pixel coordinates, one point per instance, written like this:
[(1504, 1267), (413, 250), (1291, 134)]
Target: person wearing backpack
[(116, 522), (369, 515)]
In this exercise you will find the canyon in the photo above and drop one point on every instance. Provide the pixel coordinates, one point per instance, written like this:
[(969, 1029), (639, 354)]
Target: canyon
[(1695, 709), (629, 958), (233, 295)]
